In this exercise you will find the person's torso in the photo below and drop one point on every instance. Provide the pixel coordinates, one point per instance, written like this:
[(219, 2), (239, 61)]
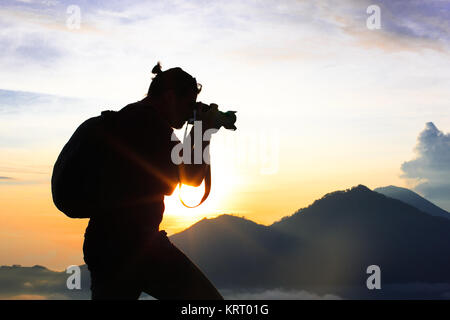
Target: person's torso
[(137, 173)]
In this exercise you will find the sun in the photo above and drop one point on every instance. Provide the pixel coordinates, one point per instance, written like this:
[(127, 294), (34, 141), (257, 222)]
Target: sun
[(191, 196), (177, 216), (224, 177)]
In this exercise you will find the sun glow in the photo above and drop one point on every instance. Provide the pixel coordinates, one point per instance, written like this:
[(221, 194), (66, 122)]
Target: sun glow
[(178, 217)]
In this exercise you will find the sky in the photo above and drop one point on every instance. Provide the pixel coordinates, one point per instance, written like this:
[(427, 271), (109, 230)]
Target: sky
[(323, 102)]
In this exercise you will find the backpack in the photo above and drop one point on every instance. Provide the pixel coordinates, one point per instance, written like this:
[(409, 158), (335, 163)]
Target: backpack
[(78, 179)]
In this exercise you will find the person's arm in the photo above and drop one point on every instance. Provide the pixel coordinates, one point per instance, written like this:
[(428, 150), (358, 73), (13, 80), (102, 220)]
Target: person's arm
[(193, 174)]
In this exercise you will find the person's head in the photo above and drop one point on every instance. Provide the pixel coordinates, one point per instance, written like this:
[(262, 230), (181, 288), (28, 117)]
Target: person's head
[(174, 92)]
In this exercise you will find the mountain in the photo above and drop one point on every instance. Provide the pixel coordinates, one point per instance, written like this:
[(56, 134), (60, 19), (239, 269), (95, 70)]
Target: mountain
[(322, 250), (413, 199), (235, 252), (349, 230), (327, 247)]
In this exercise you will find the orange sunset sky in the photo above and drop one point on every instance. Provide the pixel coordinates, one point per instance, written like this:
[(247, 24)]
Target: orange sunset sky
[(323, 102)]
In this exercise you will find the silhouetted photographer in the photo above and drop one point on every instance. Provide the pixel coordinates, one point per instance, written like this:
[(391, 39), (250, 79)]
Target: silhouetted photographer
[(116, 170)]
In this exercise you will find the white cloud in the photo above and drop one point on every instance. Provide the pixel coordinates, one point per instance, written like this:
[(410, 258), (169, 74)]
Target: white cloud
[(277, 294), (431, 168), (126, 39)]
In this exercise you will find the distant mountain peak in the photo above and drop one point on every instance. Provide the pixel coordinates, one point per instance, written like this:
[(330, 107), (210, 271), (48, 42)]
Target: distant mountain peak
[(360, 189), (392, 187), (37, 266), (222, 220), (356, 189), (225, 217), (410, 197)]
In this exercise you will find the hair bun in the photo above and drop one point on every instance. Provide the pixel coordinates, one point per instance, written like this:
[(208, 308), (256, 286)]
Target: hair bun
[(157, 69)]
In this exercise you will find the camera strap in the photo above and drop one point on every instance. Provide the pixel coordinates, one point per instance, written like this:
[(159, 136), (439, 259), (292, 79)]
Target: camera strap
[(207, 175), (207, 188)]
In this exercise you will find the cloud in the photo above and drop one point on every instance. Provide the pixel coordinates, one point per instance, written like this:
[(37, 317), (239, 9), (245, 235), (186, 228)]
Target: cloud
[(7, 180), (122, 37), (418, 19), (35, 119), (417, 290), (277, 294), (431, 168), (27, 297), (33, 128), (22, 101), (413, 26), (17, 282), (37, 282)]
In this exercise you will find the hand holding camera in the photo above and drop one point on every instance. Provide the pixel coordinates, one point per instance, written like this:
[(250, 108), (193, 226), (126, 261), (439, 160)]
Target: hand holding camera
[(213, 118)]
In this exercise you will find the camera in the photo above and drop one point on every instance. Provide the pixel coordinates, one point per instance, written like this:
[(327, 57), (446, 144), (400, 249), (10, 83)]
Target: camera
[(223, 119)]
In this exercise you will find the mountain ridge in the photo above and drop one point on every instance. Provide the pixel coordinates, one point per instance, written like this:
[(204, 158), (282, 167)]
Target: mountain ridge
[(414, 199), (323, 248), (331, 243)]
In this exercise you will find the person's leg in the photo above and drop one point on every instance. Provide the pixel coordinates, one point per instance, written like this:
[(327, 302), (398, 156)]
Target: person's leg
[(114, 283), (172, 275)]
